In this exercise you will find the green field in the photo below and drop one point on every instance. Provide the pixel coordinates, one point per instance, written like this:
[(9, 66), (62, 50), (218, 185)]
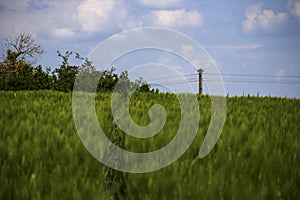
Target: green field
[(256, 157)]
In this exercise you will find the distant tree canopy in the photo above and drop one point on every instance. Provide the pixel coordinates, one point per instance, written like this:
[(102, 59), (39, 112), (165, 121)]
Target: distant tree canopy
[(17, 71)]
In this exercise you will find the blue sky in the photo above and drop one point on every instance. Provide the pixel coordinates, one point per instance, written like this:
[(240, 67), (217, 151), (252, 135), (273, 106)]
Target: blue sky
[(242, 37)]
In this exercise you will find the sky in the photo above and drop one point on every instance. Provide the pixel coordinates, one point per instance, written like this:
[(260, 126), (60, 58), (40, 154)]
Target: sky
[(250, 37)]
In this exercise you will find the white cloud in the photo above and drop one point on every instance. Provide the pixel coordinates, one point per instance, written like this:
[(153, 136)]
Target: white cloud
[(13, 23), (44, 19), (264, 20), (131, 23), (294, 8), (159, 3), (174, 18), (188, 52), (100, 15), (63, 32), (236, 47), (55, 18), (15, 5)]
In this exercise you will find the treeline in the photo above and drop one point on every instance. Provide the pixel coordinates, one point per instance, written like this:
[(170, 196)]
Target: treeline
[(18, 73)]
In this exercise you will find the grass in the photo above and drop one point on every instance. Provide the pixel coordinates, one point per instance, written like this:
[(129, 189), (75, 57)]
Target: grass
[(256, 157)]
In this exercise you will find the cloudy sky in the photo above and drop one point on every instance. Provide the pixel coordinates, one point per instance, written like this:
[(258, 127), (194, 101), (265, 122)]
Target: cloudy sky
[(243, 37)]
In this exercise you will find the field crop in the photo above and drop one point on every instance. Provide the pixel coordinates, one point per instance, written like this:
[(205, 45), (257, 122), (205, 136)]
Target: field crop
[(256, 157)]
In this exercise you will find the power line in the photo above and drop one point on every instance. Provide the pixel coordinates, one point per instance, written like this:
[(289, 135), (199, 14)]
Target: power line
[(255, 75), (221, 74), (211, 77), (168, 77), (230, 81), (255, 81)]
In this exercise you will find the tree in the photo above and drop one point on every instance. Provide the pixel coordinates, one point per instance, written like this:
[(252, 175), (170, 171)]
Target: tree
[(21, 47), (143, 85), (108, 80), (16, 71), (65, 75)]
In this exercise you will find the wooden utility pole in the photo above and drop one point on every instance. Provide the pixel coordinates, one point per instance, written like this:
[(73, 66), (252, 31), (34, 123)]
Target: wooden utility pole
[(200, 81)]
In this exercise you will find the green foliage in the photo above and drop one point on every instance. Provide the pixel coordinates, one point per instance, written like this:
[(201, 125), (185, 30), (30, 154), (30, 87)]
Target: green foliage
[(115, 182), (108, 80), (42, 157), (65, 75), (20, 75)]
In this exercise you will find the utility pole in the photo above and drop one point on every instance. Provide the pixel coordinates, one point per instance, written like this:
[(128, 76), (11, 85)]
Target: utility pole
[(200, 81)]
